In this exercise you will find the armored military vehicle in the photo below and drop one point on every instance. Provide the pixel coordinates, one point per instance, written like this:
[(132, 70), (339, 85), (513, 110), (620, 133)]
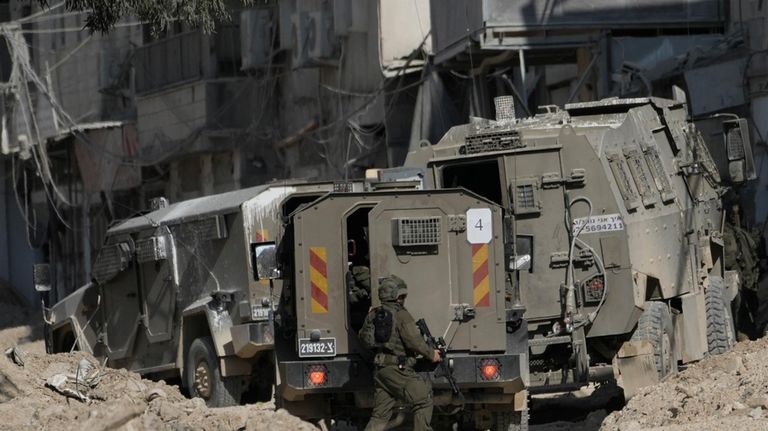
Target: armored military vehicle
[(448, 246), (237, 291), (615, 212), (173, 293)]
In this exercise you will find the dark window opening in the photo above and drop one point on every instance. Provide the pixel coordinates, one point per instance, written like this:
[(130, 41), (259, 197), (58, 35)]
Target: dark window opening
[(358, 276), (523, 253), (295, 202), (480, 177)]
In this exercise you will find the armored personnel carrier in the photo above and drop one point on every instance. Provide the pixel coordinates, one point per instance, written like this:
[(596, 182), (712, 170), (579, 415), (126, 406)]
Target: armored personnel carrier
[(448, 246), (239, 292), (616, 223), (174, 293)]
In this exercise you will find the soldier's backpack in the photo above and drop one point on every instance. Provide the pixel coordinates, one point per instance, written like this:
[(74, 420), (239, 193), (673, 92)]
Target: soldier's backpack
[(382, 325)]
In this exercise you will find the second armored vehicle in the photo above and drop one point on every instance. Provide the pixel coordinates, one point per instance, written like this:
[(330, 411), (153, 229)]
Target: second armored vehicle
[(616, 217)]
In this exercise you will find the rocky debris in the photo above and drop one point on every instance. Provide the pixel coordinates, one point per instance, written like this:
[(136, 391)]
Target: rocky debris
[(80, 383), (72, 391), (726, 391), (155, 394), (16, 354)]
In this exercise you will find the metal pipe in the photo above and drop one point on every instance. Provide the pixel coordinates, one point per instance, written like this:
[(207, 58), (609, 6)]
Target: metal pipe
[(582, 78), (521, 55), (86, 237), (516, 94)]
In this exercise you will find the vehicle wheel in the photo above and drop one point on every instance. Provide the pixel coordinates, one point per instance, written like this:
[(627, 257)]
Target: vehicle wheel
[(655, 326), (720, 331), (510, 421), (203, 376)]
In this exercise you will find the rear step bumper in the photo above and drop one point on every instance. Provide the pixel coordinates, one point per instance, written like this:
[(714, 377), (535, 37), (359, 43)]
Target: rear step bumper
[(347, 374), (468, 374), (354, 375)]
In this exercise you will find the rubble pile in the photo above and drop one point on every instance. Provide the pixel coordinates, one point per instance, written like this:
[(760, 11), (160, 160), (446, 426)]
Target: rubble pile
[(729, 390), (73, 391)]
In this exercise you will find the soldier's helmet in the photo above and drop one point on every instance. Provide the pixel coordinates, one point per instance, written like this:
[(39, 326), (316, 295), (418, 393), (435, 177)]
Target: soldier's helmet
[(391, 287)]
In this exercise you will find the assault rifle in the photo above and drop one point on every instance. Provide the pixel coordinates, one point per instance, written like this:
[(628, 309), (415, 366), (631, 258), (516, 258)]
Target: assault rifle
[(438, 344)]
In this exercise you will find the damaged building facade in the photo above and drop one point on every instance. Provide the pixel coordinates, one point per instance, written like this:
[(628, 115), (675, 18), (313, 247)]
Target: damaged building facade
[(94, 126)]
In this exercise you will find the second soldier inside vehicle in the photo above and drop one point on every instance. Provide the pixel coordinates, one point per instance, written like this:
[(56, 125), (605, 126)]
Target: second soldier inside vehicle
[(390, 332)]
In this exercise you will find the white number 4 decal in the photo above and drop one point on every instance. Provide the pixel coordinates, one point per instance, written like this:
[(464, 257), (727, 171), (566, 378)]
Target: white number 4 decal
[(480, 229)]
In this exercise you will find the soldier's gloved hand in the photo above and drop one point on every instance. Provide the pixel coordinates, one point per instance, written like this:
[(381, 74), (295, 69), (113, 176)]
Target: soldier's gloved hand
[(436, 357)]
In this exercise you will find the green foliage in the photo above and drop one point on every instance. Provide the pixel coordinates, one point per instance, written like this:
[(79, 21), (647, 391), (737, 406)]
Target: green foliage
[(158, 14)]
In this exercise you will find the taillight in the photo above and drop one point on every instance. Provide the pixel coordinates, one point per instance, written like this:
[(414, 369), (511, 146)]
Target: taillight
[(489, 369), (594, 288), (317, 375)]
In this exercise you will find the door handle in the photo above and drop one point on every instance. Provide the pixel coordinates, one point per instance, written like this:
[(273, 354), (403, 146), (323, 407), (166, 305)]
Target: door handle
[(131, 295)]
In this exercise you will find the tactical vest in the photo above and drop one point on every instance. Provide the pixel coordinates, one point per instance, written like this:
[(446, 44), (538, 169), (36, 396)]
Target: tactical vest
[(380, 334), (383, 324)]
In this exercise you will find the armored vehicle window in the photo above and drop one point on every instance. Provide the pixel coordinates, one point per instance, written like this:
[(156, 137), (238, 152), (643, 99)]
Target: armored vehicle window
[(294, 202), (111, 261), (523, 253), (480, 177), (525, 196)]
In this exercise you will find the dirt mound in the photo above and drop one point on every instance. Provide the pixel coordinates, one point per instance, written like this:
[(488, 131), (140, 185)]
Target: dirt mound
[(14, 329), (119, 400), (726, 391)]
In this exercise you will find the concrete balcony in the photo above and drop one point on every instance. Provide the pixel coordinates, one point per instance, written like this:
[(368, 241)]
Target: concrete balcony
[(500, 24), (170, 61), (196, 116)]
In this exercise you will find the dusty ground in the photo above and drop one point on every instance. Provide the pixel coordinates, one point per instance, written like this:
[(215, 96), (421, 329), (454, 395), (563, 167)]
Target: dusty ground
[(723, 392), (122, 400), (728, 391)]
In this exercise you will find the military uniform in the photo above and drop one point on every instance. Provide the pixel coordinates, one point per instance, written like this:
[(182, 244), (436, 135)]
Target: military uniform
[(740, 255), (359, 285), (358, 294), (394, 377)]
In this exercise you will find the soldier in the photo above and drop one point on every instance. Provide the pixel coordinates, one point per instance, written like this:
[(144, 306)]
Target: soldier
[(358, 280), (391, 334), (741, 255), (359, 285)]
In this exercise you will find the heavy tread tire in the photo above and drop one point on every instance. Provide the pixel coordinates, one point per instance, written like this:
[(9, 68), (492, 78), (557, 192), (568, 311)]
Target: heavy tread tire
[(510, 421), (224, 391), (655, 326), (721, 334)]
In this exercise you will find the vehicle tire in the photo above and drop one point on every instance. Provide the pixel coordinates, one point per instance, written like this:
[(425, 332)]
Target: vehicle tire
[(510, 421), (721, 334), (203, 376), (655, 326)]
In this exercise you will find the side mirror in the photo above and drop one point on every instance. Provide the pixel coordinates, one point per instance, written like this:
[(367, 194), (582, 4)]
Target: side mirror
[(741, 164), (41, 277), (264, 261)]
